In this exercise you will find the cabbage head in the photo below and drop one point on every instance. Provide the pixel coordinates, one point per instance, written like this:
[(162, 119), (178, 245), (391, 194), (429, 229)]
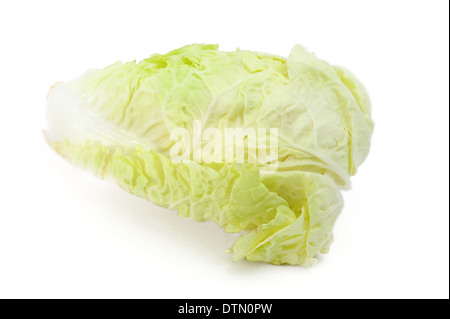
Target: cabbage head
[(116, 122)]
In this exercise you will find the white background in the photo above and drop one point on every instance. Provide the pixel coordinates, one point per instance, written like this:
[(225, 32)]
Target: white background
[(65, 233)]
